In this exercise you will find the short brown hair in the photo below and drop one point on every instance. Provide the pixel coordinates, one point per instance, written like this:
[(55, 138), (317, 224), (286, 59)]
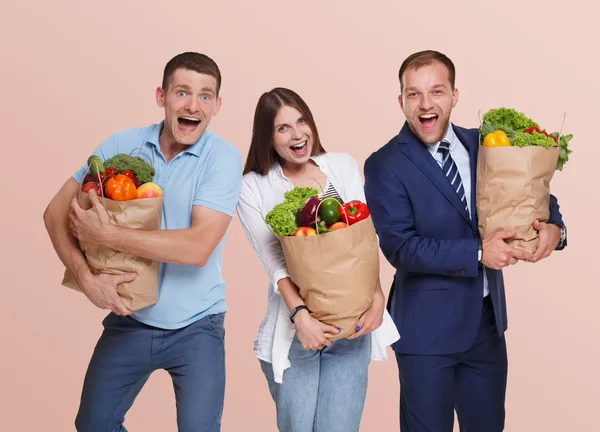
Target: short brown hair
[(262, 154), (426, 58), (193, 61)]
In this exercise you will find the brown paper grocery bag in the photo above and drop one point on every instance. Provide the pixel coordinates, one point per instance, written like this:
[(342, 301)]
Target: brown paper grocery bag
[(513, 190), (144, 214), (336, 273)]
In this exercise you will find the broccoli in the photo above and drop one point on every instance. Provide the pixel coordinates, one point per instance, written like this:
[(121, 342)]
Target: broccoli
[(282, 218), (141, 169)]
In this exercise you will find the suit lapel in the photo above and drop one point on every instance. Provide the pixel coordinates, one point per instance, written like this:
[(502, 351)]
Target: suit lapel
[(416, 151)]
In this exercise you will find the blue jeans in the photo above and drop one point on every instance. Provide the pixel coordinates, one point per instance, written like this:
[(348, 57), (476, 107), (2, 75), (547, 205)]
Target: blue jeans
[(129, 351), (322, 391)]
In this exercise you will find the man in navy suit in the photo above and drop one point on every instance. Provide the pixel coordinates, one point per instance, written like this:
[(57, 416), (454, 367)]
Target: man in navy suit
[(447, 298)]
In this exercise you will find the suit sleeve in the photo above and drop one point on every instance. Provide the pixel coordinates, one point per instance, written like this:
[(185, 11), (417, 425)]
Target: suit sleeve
[(556, 218), (392, 214)]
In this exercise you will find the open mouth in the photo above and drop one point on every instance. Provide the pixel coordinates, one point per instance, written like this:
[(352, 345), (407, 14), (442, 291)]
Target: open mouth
[(428, 120), (188, 124), (299, 149)]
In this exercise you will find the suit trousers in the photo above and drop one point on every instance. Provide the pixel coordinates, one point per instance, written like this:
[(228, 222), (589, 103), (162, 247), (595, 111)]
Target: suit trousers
[(473, 383)]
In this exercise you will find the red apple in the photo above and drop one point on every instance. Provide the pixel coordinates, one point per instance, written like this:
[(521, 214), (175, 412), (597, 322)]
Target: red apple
[(149, 190), (305, 231), (338, 226)]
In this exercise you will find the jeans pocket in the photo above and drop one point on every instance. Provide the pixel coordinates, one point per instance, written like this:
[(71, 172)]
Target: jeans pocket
[(217, 323)]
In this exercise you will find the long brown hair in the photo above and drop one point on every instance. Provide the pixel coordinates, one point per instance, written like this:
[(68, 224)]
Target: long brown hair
[(262, 154)]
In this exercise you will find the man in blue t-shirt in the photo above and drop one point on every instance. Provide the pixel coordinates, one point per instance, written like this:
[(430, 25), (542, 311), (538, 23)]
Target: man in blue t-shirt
[(183, 333)]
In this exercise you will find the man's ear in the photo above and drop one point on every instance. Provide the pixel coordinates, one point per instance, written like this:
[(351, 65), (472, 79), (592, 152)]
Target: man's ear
[(454, 97), (218, 106), (160, 97)]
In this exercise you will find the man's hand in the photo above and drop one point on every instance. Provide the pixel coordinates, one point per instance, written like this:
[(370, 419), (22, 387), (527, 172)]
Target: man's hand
[(549, 237), (311, 332), (91, 225), (101, 290), (497, 254), (372, 318)]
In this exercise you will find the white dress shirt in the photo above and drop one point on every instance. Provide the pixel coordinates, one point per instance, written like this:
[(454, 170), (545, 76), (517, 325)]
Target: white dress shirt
[(259, 194), (462, 160)]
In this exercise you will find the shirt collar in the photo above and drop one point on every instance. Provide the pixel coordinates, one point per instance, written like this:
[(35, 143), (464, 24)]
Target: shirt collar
[(450, 137), (194, 149)]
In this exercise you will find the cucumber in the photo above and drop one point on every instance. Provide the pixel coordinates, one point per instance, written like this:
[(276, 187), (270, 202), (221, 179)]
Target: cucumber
[(96, 166)]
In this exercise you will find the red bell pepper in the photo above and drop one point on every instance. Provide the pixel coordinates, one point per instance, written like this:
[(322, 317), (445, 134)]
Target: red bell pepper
[(356, 211)]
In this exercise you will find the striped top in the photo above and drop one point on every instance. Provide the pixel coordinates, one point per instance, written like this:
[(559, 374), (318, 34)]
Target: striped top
[(331, 192)]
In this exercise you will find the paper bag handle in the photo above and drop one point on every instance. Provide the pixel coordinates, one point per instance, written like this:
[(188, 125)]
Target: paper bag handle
[(100, 182), (141, 150), (317, 211)]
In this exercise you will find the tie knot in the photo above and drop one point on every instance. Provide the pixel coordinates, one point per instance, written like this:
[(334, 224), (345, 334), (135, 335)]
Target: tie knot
[(444, 147)]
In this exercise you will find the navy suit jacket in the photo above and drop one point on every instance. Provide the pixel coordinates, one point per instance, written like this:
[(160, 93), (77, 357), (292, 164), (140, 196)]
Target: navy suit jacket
[(427, 235)]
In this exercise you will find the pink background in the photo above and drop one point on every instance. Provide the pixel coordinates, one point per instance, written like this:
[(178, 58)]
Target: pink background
[(74, 72)]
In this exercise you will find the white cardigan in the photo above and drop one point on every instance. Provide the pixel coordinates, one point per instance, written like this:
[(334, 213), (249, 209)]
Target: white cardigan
[(259, 194)]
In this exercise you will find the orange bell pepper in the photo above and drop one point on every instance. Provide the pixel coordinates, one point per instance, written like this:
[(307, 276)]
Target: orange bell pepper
[(121, 188)]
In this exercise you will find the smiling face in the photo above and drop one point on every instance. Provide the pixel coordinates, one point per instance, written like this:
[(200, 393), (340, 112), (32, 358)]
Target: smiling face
[(427, 100), (292, 136), (190, 101)]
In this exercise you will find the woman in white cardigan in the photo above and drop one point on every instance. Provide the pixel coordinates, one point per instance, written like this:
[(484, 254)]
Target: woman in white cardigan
[(317, 385)]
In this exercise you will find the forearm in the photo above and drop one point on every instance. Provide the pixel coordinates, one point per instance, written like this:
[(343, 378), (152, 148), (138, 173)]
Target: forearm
[(56, 220), (67, 249), (555, 215), (170, 246), (379, 291), (289, 292), (424, 255), (556, 219)]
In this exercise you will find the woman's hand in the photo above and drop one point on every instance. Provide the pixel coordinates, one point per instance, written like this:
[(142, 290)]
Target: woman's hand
[(311, 332), (372, 318)]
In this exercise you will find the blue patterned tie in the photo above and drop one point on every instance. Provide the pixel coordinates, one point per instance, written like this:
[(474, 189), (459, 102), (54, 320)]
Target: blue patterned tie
[(451, 170)]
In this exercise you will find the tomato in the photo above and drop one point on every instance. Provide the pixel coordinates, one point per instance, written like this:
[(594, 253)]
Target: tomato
[(91, 185), (110, 170), (132, 176), (532, 129)]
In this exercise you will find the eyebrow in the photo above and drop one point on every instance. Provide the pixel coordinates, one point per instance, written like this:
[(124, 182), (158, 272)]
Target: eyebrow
[(187, 87), (433, 87)]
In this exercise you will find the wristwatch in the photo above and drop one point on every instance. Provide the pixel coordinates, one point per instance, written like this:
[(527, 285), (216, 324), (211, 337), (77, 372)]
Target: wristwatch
[(296, 310)]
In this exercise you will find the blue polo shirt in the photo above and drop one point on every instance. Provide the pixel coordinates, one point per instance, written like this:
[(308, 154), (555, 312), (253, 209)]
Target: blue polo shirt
[(208, 174)]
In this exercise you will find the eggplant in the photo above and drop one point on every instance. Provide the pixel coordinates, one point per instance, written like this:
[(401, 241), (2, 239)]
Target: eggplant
[(307, 214)]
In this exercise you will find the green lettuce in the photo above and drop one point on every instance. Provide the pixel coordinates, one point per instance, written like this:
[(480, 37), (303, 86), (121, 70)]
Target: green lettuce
[(523, 139), (282, 218), (508, 118)]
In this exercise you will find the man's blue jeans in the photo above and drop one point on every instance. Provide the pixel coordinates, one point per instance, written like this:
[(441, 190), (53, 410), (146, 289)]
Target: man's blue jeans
[(129, 351)]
